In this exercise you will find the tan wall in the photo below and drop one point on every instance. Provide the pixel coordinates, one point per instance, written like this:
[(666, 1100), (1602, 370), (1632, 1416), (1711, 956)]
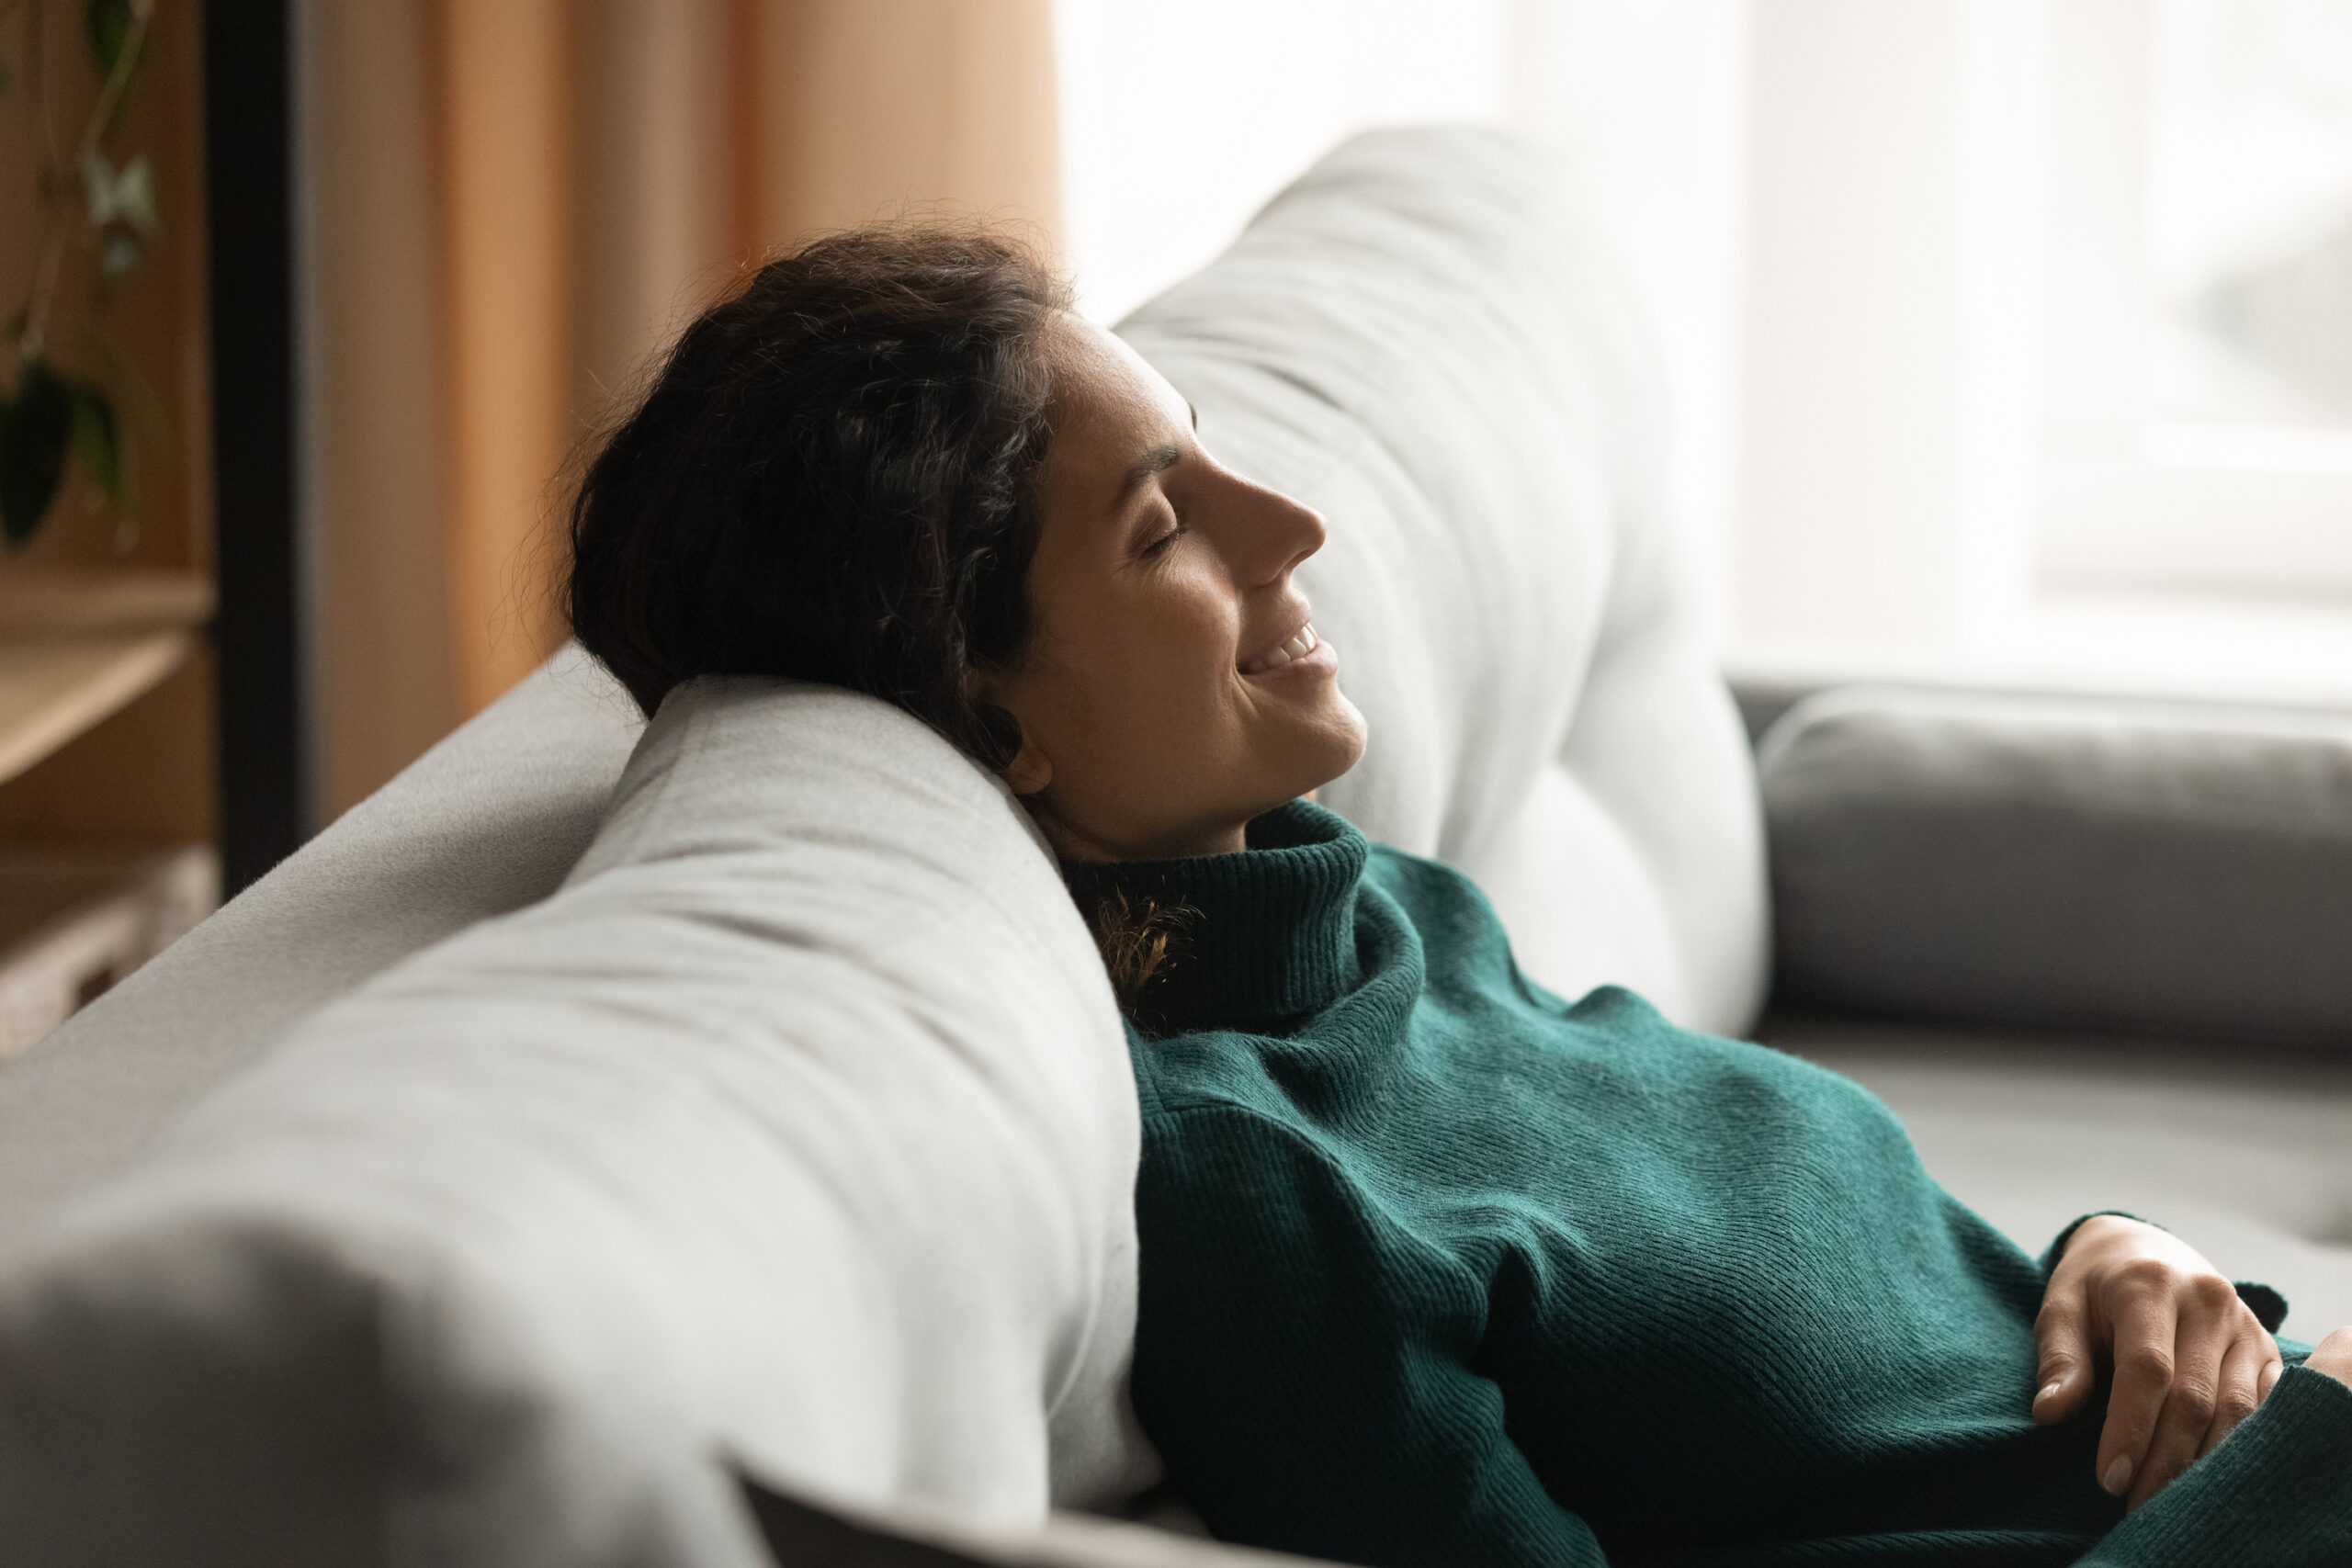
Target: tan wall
[(512, 203)]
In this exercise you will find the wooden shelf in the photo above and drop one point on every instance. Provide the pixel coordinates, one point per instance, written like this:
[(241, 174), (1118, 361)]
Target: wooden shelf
[(78, 603), (76, 648)]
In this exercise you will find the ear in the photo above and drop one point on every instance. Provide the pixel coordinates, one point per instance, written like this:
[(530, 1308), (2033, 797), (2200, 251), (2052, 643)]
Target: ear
[(1029, 771)]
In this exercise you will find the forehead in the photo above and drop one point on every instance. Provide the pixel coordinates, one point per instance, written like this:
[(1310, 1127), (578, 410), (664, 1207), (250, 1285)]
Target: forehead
[(1105, 396)]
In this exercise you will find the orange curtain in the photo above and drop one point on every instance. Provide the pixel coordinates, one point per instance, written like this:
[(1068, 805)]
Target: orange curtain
[(510, 205)]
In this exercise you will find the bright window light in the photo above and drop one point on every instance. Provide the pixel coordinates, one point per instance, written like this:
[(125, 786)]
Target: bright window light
[(2250, 214)]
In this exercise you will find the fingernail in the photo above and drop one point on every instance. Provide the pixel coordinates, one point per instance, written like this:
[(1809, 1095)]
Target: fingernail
[(2118, 1475), (2049, 1389)]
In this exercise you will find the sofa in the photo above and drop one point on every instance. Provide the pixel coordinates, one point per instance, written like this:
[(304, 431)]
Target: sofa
[(609, 1111)]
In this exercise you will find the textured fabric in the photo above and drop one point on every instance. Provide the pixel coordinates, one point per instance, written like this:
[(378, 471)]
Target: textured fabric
[(2241, 1152), (2048, 862), (799, 1531), (1420, 342), (487, 821), (1439, 1269), (797, 1126)]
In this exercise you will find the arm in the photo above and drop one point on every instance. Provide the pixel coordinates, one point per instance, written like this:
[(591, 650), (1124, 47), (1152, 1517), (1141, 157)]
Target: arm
[(1302, 1363)]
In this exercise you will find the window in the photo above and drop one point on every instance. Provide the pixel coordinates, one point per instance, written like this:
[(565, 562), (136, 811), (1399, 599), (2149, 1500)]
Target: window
[(2201, 419)]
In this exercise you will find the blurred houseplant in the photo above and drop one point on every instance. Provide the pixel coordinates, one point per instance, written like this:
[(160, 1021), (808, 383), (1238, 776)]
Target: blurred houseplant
[(68, 388)]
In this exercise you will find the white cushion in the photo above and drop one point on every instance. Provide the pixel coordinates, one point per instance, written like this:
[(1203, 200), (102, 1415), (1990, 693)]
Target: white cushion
[(487, 821), (1417, 340), (796, 1126)]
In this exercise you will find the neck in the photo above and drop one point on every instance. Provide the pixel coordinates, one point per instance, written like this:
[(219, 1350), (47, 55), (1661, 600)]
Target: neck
[(1074, 843), (1250, 938)]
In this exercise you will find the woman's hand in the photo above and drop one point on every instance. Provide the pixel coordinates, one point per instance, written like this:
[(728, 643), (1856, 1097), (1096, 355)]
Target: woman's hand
[(2190, 1359)]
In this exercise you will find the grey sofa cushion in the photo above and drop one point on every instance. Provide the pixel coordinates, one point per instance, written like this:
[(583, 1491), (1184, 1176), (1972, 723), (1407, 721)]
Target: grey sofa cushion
[(2241, 1155), (2068, 862)]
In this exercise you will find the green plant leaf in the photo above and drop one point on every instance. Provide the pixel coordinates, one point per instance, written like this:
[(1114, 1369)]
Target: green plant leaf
[(97, 439), (147, 425), (106, 24), (33, 434)]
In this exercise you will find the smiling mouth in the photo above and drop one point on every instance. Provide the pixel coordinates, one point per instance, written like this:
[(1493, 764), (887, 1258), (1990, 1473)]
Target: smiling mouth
[(1300, 644)]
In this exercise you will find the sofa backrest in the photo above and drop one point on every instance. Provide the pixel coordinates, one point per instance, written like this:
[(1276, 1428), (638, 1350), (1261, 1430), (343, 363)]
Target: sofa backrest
[(1420, 340), (2166, 869)]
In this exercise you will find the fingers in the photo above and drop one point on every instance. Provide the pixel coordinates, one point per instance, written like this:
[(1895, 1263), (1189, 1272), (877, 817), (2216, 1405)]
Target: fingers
[(2190, 1360), (2216, 1367), (2063, 1334), (2239, 1389), (2145, 1324)]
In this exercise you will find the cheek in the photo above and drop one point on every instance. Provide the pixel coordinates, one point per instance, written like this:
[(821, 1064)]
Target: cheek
[(1166, 671), (1147, 677)]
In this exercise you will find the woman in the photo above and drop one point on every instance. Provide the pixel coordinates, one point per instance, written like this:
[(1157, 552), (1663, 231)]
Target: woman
[(1436, 1267)]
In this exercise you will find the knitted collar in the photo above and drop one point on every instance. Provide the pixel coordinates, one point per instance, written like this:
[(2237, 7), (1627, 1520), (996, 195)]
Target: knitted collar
[(1260, 936)]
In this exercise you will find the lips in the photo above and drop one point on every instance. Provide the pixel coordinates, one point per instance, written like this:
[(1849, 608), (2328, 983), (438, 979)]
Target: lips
[(1298, 644)]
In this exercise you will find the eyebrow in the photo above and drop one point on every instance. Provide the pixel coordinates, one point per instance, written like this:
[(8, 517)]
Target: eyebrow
[(1158, 460)]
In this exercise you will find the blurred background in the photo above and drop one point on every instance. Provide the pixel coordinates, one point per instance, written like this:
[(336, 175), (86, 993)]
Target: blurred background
[(2003, 341)]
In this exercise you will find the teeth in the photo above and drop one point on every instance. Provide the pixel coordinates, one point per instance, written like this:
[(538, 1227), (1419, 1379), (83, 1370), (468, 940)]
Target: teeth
[(1298, 647)]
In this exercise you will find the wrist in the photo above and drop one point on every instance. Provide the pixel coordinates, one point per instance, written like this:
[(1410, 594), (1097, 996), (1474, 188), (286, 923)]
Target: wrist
[(2106, 1221), (2097, 1227)]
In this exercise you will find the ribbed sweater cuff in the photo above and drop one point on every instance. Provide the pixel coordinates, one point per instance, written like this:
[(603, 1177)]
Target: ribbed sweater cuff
[(2276, 1494)]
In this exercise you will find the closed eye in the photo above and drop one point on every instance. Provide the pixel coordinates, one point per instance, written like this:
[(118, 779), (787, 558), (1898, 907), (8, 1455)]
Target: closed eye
[(1160, 545)]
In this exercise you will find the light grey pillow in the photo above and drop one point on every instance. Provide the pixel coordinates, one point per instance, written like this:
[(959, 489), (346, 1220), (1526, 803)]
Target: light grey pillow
[(796, 1126), (2172, 869)]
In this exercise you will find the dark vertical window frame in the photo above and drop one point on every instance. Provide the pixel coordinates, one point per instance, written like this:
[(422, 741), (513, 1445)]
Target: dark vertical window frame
[(258, 633)]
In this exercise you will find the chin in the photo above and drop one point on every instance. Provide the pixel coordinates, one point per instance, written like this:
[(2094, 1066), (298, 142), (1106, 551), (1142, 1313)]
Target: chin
[(1336, 745)]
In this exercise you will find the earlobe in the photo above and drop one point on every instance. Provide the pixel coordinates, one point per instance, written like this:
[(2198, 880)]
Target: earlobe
[(1029, 771)]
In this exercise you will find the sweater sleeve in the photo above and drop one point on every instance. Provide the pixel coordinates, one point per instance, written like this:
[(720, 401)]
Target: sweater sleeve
[(2276, 1494), (1303, 1362)]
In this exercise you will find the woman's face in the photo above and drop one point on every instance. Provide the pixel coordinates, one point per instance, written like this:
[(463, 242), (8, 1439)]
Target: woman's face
[(1173, 687)]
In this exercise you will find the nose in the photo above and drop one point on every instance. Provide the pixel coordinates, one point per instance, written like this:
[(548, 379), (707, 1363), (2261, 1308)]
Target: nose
[(1290, 530)]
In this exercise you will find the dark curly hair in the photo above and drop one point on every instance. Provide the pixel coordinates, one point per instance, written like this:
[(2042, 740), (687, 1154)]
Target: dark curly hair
[(831, 477)]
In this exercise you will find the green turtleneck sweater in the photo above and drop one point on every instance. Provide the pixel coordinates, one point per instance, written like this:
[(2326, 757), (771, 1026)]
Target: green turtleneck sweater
[(1439, 1269)]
